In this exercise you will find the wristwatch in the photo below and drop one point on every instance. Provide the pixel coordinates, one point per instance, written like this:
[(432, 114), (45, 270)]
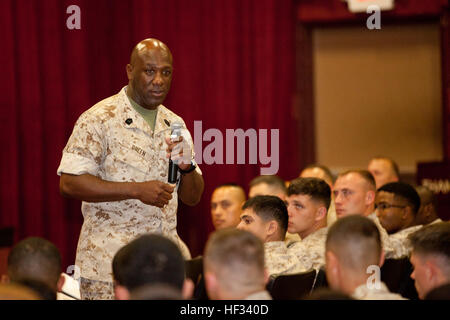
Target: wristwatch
[(192, 168)]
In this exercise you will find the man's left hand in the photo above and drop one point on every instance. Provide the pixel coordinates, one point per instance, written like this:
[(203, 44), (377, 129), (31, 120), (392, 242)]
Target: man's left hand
[(179, 151)]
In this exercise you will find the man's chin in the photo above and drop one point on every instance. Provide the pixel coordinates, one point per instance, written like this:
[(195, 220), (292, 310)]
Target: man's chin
[(153, 102), (291, 230), (341, 214)]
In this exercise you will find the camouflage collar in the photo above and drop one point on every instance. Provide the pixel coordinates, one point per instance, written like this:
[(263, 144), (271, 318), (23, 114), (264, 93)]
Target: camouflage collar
[(132, 119)]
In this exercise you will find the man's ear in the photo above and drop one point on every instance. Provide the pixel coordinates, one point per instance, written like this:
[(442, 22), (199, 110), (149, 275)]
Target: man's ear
[(332, 270), (266, 277), (60, 283), (407, 213), (188, 289), (271, 228), (382, 258), (121, 293), (321, 213), (370, 197), (428, 209), (432, 272), (129, 69), (210, 284), (5, 279), (331, 261)]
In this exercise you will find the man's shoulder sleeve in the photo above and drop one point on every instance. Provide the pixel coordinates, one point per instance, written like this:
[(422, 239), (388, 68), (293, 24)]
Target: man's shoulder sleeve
[(84, 151)]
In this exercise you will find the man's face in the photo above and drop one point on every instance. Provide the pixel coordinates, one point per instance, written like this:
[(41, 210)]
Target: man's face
[(427, 211), (382, 171), (263, 189), (302, 211), (426, 214), (390, 211), (226, 207), (352, 195), (251, 222), (420, 275), (151, 77)]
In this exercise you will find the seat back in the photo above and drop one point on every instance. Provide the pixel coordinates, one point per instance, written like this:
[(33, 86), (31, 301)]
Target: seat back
[(291, 286), (321, 280), (194, 269), (396, 274)]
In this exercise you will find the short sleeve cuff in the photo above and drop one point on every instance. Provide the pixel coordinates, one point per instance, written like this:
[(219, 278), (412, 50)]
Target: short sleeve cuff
[(77, 165)]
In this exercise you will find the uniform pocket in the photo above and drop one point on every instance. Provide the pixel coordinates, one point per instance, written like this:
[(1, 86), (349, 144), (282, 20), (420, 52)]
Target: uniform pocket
[(126, 163)]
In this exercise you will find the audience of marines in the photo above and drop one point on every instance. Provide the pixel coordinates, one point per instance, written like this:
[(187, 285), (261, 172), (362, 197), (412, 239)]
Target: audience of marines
[(345, 227)]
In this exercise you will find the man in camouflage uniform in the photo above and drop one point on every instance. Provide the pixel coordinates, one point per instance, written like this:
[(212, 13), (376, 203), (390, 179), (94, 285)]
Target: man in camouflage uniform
[(384, 170), (428, 205), (308, 203), (354, 193), (116, 162), (353, 253), (271, 185), (430, 257), (226, 205), (397, 205), (233, 266), (267, 218), (324, 173)]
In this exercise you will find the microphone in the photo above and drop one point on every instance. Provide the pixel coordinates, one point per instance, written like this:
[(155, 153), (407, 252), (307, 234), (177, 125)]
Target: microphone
[(173, 165)]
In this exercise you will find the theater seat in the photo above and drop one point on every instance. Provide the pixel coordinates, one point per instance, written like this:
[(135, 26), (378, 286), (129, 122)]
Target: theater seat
[(396, 274), (194, 268), (291, 286), (194, 271), (321, 280)]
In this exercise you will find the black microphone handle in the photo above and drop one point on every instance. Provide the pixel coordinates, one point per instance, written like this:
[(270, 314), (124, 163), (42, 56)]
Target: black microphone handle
[(173, 170)]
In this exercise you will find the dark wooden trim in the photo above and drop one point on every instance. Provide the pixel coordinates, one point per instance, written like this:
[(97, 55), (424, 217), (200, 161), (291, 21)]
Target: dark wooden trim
[(330, 13), (305, 95), (324, 11), (445, 56)]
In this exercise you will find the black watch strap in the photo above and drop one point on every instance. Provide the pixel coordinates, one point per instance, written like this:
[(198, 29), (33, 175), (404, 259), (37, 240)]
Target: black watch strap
[(192, 168)]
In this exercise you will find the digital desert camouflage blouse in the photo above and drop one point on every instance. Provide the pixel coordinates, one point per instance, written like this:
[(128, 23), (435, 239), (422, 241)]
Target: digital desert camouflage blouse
[(311, 250), (113, 142), (278, 260)]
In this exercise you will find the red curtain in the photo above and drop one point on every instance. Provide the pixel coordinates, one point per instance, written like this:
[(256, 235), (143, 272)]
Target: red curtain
[(233, 68)]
